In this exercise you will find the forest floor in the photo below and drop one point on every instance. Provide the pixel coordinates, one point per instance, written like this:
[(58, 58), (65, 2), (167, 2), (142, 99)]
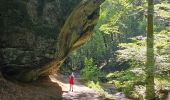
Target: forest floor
[(81, 92)]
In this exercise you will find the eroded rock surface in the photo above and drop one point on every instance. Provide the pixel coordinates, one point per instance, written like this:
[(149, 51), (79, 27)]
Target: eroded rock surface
[(37, 35)]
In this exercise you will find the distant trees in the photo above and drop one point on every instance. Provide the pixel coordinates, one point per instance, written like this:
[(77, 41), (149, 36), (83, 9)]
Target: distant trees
[(119, 44)]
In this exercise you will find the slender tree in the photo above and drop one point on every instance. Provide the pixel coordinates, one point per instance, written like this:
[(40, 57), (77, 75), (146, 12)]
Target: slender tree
[(150, 92)]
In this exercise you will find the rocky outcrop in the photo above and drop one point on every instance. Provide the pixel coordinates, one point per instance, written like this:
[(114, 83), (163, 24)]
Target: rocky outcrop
[(37, 35)]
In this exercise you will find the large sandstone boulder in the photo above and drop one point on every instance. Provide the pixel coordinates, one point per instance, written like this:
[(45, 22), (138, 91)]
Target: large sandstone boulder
[(37, 35)]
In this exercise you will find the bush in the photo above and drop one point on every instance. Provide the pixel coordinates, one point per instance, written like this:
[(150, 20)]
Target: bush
[(125, 81), (93, 85), (90, 71)]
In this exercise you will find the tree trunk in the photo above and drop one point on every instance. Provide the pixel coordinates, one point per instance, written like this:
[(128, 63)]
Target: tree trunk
[(150, 92)]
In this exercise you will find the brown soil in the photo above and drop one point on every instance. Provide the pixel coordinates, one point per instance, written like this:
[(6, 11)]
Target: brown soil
[(43, 89)]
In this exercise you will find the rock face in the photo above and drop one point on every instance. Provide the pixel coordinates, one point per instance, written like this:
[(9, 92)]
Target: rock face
[(37, 35)]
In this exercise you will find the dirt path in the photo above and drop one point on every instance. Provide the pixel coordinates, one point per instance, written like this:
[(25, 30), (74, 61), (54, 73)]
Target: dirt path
[(80, 92)]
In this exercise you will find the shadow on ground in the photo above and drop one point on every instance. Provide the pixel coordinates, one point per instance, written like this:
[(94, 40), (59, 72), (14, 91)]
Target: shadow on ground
[(43, 89)]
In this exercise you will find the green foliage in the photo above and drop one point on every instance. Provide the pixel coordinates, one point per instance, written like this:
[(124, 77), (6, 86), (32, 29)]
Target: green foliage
[(97, 87), (134, 52), (126, 81), (93, 85), (134, 75), (162, 16), (116, 74), (111, 14), (163, 10), (90, 71), (119, 16)]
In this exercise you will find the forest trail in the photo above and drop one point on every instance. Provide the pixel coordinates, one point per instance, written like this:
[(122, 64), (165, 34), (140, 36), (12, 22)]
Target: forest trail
[(81, 92)]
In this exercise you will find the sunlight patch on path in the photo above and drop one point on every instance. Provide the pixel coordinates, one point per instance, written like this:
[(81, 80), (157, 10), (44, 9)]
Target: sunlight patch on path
[(80, 92), (65, 86)]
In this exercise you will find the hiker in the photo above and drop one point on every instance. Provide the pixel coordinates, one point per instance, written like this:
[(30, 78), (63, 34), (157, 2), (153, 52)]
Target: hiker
[(71, 81)]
